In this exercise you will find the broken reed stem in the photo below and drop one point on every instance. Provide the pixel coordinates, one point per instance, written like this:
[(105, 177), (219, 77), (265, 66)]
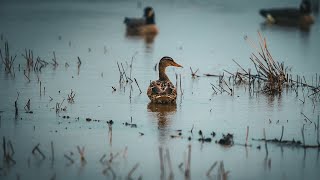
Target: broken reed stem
[(317, 91), (4, 147), (177, 81), (161, 160), (124, 72), (180, 85), (130, 92), (24, 72), (110, 135), (228, 87), (265, 141), (79, 65), (113, 157), (55, 63), (132, 170), (27, 106), (81, 152), (188, 165), (137, 85), (52, 152), (306, 117), (281, 133), (302, 133), (36, 148), (69, 158), (79, 62), (16, 107), (211, 168), (119, 72), (239, 66), (131, 67), (247, 136), (102, 158), (318, 132), (214, 87), (11, 148)]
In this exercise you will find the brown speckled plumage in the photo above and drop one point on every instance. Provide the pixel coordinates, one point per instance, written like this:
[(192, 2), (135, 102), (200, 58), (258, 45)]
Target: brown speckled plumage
[(162, 91)]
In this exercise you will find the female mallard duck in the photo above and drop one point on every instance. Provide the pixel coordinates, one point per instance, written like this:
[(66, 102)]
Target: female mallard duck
[(290, 16), (162, 91), (142, 26)]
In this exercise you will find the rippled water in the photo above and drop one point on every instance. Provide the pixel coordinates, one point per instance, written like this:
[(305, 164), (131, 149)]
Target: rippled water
[(204, 35)]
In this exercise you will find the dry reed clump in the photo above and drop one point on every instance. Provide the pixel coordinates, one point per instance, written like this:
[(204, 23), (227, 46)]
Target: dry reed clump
[(7, 59), (29, 57), (273, 73)]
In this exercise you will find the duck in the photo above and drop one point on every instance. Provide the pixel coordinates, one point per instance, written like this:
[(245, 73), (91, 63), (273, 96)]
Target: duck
[(162, 91), (142, 26), (301, 16)]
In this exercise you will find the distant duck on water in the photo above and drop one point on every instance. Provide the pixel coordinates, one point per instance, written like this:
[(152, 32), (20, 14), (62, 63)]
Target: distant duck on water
[(290, 16), (142, 26), (162, 91)]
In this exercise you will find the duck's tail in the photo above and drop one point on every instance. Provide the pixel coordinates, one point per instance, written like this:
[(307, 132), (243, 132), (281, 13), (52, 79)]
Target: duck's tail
[(126, 20), (263, 12)]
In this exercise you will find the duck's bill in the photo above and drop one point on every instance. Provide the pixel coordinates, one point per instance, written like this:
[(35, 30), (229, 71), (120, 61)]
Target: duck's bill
[(176, 64)]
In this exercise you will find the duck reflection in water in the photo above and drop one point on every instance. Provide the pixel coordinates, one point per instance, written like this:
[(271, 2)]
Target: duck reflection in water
[(162, 114), (142, 28)]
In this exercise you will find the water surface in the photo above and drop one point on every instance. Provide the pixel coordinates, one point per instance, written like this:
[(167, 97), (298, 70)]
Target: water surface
[(204, 35)]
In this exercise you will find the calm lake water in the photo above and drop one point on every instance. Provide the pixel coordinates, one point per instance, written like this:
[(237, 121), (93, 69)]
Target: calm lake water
[(204, 35)]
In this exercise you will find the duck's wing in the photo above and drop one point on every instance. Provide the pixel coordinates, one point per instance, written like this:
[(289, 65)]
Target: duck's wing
[(170, 89), (162, 92), (134, 22), (154, 88)]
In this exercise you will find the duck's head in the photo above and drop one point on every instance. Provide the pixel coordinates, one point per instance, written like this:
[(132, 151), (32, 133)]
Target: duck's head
[(168, 61), (149, 15), (305, 7)]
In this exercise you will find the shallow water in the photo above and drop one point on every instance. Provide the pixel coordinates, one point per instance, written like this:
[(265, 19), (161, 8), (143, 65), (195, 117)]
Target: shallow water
[(204, 35)]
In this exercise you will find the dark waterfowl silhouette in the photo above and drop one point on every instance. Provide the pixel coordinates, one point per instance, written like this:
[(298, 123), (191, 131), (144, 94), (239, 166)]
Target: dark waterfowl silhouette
[(162, 91), (142, 26), (301, 16)]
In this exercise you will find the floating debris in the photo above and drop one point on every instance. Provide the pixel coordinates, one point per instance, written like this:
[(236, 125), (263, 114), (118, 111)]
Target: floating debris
[(226, 140), (213, 134), (202, 138), (130, 124), (110, 122)]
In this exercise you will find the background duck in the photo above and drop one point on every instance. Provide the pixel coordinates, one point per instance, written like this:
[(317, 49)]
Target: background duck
[(290, 16), (162, 91), (142, 26)]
